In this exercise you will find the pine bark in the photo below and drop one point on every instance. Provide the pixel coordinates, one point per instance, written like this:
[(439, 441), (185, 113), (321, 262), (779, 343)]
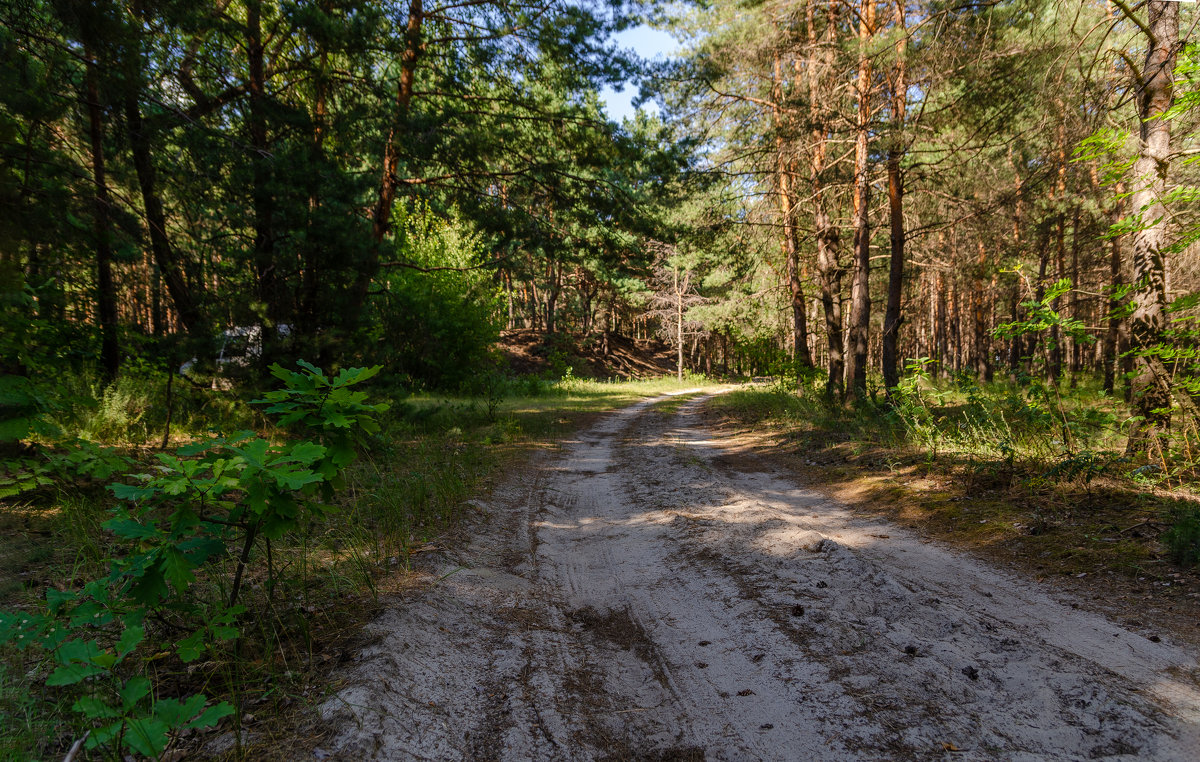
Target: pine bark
[(389, 181), (1112, 337), (860, 292), (1151, 386), (891, 316), (791, 246), (106, 298), (829, 271)]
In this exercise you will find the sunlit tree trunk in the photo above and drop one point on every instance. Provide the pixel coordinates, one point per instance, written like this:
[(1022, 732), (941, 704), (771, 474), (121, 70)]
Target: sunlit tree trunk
[(829, 271), (1151, 386), (678, 322), (1076, 358), (860, 292), (791, 247), (1112, 337)]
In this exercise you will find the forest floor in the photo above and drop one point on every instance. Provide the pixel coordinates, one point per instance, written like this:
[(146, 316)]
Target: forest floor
[(652, 590)]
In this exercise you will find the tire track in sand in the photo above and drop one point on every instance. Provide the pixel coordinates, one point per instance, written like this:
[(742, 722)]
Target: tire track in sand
[(644, 596)]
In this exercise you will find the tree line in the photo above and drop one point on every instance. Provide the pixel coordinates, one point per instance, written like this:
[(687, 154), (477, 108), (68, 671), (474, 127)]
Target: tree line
[(172, 170), (987, 188), (853, 187)]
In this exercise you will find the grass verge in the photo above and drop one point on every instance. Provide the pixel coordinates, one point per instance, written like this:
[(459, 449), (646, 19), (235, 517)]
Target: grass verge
[(1103, 535)]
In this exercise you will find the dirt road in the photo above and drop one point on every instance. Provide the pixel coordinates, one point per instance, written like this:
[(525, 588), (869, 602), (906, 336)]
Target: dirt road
[(645, 594)]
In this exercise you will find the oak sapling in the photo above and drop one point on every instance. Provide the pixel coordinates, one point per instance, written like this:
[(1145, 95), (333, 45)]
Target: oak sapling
[(208, 501)]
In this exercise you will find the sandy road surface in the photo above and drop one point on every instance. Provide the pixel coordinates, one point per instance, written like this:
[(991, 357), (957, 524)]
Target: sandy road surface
[(645, 595)]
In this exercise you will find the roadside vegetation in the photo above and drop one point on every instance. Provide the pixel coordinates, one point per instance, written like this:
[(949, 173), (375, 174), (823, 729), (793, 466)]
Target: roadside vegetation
[(165, 598), (1020, 471)]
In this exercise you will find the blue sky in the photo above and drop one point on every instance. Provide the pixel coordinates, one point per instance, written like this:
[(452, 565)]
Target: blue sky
[(648, 43)]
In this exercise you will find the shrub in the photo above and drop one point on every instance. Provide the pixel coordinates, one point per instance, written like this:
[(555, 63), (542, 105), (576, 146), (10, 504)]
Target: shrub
[(436, 318), (206, 503)]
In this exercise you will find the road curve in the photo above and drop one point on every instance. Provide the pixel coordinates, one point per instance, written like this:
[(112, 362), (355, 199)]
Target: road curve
[(642, 594)]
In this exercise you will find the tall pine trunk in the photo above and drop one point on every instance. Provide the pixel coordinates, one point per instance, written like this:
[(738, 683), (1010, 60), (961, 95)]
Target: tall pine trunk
[(389, 181), (791, 247), (1151, 386), (265, 269), (1112, 337), (829, 270), (106, 298), (891, 317), (860, 292)]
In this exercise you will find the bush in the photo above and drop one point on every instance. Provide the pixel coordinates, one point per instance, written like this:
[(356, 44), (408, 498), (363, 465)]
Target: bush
[(435, 326), (194, 514)]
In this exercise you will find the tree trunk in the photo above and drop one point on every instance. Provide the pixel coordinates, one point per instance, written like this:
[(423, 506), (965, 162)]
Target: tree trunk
[(264, 244), (891, 317), (157, 319), (1112, 337), (791, 247), (1016, 347), (1054, 365), (979, 313), (678, 321), (1076, 357), (310, 312), (1040, 289), (860, 292), (554, 274), (106, 298), (170, 266), (829, 271), (940, 330), (389, 181), (1151, 387)]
